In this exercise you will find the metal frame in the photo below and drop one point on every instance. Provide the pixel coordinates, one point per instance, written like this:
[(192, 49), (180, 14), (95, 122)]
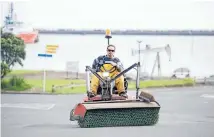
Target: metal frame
[(148, 49), (107, 83)]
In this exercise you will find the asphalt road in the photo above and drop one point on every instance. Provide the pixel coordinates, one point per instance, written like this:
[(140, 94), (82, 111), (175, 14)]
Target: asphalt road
[(185, 112)]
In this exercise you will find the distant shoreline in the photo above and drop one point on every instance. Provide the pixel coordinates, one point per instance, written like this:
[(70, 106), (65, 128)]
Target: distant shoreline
[(130, 32)]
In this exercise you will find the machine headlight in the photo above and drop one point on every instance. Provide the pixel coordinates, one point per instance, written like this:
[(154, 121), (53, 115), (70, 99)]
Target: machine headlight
[(105, 74)]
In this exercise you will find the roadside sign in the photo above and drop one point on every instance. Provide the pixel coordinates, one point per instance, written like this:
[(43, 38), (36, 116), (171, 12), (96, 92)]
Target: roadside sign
[(44, 55), (73, 67), (51, 48)]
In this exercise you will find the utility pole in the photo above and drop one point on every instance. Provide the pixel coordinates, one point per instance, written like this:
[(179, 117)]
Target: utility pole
[(139, 42)]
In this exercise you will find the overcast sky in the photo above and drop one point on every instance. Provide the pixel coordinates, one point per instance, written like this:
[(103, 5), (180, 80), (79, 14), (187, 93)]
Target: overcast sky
[(116, 14)]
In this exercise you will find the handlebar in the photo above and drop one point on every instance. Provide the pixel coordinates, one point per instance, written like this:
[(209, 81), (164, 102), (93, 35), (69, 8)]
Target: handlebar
[(113, 79), (95, 73)]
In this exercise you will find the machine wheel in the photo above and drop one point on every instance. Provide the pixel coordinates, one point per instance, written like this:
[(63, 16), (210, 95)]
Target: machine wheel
[(71, 114), (126, 85)]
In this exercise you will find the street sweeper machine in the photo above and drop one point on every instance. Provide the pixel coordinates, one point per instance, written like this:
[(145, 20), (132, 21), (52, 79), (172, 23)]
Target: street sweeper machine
[(108, 109)]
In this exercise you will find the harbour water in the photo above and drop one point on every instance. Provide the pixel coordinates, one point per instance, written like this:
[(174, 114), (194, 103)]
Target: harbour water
[(193, 52)]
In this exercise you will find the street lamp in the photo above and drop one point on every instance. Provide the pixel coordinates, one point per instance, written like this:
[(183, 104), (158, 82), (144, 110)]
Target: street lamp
[(139, 42)]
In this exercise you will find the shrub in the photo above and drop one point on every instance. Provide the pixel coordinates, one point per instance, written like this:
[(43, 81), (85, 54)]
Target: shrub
[(15, 83)]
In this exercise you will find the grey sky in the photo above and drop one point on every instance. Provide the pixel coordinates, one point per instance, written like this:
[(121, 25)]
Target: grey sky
[(116, 14)]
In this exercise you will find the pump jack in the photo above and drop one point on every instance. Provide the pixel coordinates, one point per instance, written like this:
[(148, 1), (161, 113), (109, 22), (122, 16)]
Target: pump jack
[(148, 49)]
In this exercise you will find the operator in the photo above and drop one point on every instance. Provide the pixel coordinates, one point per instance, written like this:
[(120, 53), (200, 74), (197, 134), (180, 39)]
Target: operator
[(99, 65)]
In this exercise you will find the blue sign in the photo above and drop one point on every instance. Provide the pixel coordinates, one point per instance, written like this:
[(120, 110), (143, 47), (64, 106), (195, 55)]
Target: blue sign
[(44, 55)]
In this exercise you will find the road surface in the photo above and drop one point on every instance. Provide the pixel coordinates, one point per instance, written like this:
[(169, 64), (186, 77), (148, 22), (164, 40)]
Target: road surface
[(185, 112)]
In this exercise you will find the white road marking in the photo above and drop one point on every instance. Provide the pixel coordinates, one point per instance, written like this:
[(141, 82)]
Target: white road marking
[(28, 105), (52, 106), (207, 96)]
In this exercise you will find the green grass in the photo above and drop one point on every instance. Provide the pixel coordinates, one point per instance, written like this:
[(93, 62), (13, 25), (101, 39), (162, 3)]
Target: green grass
[(37, 83), (82, 89), (75, 90), (163, 83), (20, 72), (15, 84)]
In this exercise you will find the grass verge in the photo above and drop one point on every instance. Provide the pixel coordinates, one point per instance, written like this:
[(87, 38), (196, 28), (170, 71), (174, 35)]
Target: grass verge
[(37, 84), (82, 89), (163, 83), (22, 72)]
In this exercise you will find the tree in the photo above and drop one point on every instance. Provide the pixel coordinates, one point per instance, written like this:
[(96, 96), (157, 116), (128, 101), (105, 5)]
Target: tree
[(12, 52)]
